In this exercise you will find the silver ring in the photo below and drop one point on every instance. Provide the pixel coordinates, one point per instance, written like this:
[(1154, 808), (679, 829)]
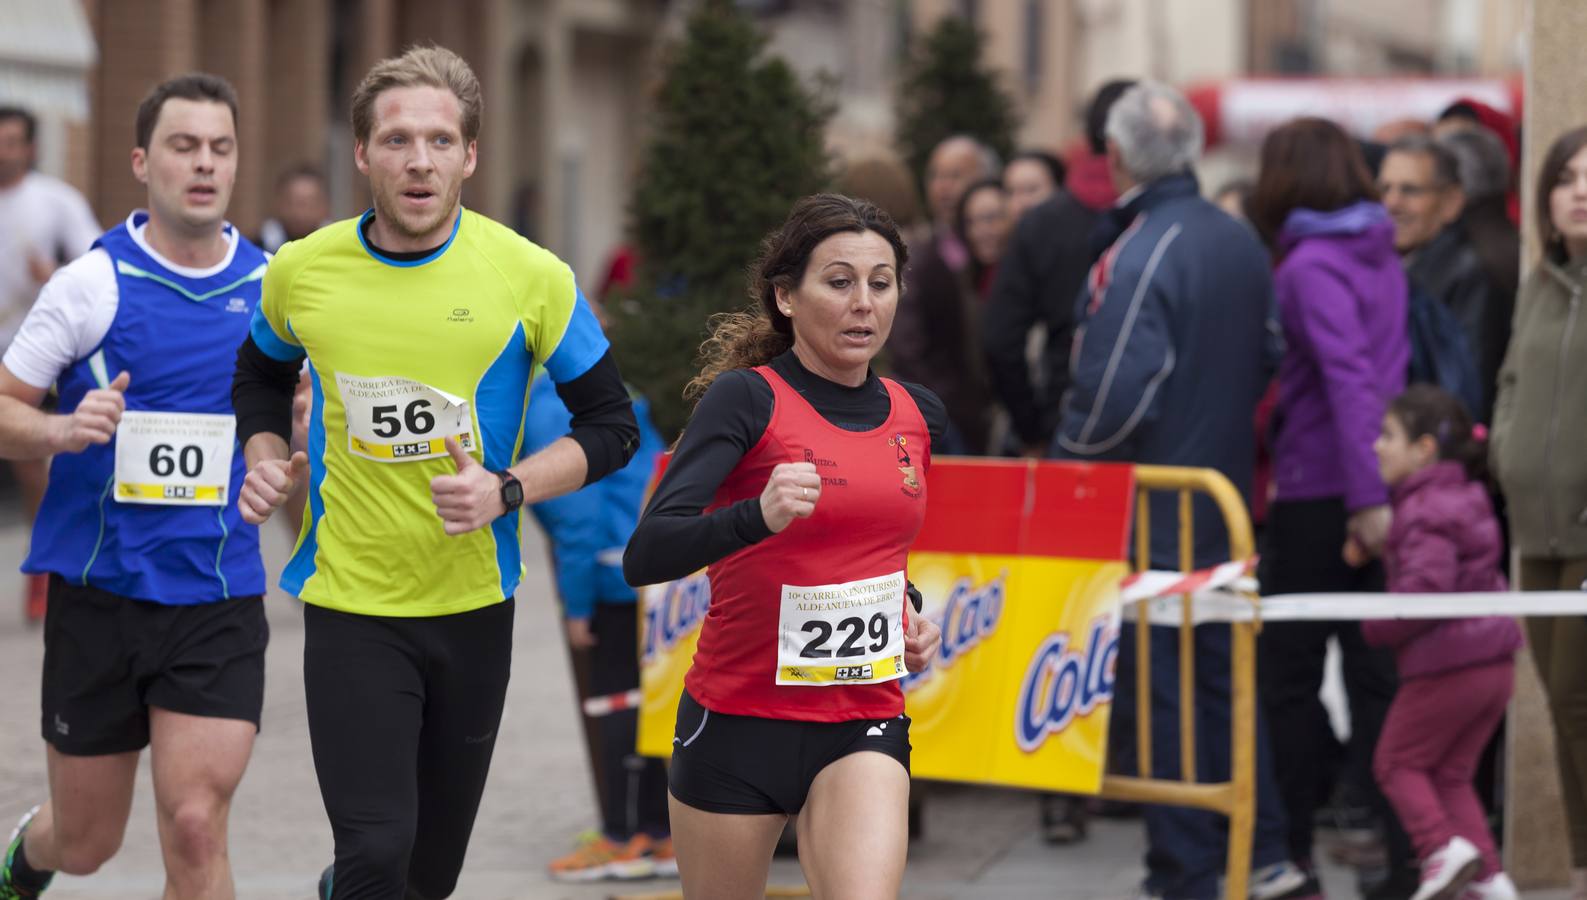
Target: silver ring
[(805, 493)]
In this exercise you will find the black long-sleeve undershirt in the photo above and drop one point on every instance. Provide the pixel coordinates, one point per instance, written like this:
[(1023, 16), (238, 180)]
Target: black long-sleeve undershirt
[(675, 537)]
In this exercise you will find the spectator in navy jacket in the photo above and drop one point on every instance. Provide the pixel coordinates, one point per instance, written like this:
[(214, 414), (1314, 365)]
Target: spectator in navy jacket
[(1172, 351), (1342, 301)]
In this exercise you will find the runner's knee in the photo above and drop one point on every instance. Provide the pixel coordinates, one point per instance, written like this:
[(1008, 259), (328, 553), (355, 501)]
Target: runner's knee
[(83, 853), (196, 831)]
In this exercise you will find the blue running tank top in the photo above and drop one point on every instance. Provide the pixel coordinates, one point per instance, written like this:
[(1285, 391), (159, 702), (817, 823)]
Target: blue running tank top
[(177, 337)]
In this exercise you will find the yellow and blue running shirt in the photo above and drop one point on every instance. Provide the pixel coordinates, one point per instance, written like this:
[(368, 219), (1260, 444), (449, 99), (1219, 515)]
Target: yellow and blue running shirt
[(401, 355)]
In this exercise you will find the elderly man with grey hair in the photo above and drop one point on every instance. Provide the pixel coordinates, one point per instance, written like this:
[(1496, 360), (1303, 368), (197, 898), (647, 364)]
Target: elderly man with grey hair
[(1444, 194), (1173, 349)]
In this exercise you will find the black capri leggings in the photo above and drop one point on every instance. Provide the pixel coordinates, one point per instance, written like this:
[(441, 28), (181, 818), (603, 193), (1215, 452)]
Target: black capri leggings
[(403, 715)]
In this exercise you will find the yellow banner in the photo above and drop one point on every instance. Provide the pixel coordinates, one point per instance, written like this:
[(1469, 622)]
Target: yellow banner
[(1021, 691), (1015, 568)]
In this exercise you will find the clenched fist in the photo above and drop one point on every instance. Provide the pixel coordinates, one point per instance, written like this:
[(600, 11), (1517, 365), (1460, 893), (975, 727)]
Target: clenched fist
[(922, 640), (469, 500), (94, 420), (268, 485), (791, 492)]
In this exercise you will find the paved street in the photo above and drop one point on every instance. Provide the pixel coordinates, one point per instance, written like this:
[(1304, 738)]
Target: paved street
[(979, 843)]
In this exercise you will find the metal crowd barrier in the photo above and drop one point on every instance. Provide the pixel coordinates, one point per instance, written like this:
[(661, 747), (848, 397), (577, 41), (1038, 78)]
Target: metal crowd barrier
[(1236, 798)]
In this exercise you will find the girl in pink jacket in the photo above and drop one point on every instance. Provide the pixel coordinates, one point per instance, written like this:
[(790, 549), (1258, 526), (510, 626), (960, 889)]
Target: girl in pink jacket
[(1455, 674)]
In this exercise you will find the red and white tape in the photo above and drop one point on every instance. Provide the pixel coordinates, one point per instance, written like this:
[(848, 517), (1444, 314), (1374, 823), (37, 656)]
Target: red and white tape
[(1153, 585), (595, 707)]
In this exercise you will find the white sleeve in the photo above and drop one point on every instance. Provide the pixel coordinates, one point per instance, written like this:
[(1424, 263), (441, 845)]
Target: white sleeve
[(70, 318)]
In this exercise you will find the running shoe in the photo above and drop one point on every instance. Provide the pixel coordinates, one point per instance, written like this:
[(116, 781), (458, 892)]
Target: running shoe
[(598, 857), (9, 890), (1447, 870), (1283, 881), (661, 855)]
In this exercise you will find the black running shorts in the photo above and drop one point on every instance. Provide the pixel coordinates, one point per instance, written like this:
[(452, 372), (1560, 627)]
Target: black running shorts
[(108, 658), (753, 766)]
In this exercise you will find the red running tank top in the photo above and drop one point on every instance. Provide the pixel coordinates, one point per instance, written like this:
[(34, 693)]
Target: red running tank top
[(873, 501)]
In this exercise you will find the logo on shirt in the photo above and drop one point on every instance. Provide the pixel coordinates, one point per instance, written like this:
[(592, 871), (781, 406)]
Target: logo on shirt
[(822, 462), (237, 305), (819, 461), (911, 485), (461, 314)]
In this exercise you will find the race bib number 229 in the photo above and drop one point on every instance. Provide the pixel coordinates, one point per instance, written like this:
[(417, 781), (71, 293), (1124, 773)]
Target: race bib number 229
[(848, 633)]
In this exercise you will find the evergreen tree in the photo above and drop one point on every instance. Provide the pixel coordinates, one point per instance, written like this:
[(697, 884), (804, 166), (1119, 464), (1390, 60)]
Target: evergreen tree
[(736, 139), (944, 90)]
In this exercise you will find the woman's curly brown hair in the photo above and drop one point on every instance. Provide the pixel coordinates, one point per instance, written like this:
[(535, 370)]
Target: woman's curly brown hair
[(759, 333)]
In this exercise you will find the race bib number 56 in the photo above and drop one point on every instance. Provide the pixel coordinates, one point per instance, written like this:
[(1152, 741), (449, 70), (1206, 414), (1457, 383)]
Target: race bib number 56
[(175, 459), (834, 634), (398, 419)]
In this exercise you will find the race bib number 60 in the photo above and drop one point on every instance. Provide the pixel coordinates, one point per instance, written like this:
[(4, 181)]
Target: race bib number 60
[(174, 459), (393, 419), (833, 634)]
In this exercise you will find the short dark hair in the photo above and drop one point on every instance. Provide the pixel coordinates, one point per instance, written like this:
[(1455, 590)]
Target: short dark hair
[(1055, 166), (1559, 155), (300, 170), (1308, 163), (192, 86), (1446, 169), (1097, 113), (30, 125), (1460, 109)]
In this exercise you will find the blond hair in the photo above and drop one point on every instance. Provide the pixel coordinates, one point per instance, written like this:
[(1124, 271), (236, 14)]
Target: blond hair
[(421, 66)]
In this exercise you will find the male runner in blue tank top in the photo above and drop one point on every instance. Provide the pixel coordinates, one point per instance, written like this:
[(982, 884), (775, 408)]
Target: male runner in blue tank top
[(155, 631)]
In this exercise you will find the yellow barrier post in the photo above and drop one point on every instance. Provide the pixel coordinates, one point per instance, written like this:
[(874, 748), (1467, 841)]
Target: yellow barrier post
[(1187, 646), (1143, 646), (1235, 798)]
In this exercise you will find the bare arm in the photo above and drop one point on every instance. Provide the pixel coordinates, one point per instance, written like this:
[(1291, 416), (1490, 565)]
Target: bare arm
[(27, 432), (558, 469)]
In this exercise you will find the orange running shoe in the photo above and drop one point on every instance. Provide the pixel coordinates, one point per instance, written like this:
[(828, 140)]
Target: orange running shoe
[(598, 857), (665, 862)]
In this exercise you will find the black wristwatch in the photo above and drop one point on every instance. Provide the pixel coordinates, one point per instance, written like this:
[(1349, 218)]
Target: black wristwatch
[(511, 492)]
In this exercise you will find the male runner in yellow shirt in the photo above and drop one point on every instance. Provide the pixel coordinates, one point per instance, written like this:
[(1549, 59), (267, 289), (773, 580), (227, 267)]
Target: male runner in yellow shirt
[(421, 322)]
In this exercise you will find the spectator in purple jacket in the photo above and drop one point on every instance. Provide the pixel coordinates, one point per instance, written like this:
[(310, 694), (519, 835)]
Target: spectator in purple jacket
[(1455, 674), (1341, 296)]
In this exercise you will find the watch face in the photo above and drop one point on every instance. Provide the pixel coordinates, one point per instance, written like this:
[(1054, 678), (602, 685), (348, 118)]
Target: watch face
[(512, 493)]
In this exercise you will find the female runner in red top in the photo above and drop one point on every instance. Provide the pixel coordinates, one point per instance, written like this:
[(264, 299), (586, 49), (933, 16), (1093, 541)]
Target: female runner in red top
[(800, 481)]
